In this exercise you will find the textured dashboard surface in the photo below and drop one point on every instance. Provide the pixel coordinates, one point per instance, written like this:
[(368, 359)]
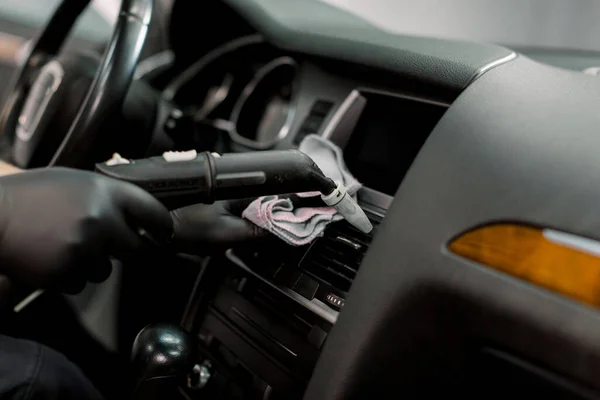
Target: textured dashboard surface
[(316, 28), (520, 144)]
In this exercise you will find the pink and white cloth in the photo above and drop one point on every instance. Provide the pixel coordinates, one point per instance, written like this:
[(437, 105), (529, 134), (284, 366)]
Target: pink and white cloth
[(298, 220)]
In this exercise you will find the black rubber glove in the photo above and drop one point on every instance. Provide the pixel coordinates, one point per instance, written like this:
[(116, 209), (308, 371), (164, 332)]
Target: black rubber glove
[(205, 229), (58, 226)]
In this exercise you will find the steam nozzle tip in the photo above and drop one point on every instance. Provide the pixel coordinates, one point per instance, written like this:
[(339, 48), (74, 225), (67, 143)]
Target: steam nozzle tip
[(362, 223), (348, 208)]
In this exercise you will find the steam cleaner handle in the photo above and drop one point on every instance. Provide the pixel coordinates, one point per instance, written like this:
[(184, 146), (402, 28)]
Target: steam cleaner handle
[(180, 179)]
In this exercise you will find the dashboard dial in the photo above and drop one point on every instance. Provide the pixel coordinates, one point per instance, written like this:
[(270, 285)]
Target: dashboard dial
[(264, 112)]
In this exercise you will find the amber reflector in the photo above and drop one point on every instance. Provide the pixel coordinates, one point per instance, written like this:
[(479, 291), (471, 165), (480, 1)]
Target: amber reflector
[(558, 261)]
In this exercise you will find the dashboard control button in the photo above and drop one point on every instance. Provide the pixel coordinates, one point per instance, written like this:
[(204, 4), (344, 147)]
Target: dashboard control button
[(173, 120), (180, 127), (301, 135), (176, 156), (314, 120), (317, 336), (306, 287), (312, 123), (321, 108), (335, 300), (292, 277)]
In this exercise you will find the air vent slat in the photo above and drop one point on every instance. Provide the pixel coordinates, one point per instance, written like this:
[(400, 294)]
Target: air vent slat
[(328, 275), (346, 229), (348, 260), (349, 232), (340, 248), (343, 243), (335, 266), (336, 257)]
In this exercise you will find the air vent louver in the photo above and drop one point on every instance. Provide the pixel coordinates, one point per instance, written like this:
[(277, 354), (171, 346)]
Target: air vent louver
[(336, 257)]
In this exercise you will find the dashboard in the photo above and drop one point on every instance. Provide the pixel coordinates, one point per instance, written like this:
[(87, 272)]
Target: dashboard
[(446, 136), (247, 95)]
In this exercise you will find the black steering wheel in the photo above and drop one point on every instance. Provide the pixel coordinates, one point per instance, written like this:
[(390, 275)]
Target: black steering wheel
[(52, 115)]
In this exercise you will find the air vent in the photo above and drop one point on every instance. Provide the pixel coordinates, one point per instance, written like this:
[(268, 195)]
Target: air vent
[(334, 259), (314, 120)]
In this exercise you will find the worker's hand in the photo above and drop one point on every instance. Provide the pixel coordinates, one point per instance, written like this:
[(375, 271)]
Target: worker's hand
[(8, 169), (58, 227), (205, 229)]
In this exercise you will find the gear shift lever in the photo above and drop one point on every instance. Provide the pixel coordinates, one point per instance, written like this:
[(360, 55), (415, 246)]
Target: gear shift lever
[(162, 355)]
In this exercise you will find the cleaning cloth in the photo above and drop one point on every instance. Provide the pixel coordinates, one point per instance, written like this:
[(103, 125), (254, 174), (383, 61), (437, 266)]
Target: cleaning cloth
[(299, 219)]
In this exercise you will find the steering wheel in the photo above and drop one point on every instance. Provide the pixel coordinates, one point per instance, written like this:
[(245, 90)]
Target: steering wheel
[(53, 115)]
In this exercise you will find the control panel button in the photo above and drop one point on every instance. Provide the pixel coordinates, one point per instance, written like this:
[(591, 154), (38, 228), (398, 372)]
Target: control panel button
[(317, 336), (312, 123), (173, 119), (335, 300), (321, 108), (306, 287), (176, 156)]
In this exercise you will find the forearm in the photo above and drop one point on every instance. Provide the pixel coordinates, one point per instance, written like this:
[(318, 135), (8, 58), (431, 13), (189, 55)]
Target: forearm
[(8, 169)]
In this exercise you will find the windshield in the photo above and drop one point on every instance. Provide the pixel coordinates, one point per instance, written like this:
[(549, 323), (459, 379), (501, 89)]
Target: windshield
[(564, 24)]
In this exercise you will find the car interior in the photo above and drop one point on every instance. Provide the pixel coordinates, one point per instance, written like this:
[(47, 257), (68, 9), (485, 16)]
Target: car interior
[(479, 278)]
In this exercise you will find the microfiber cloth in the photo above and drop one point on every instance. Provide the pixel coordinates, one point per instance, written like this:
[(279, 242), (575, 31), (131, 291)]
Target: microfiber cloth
[(299, 219)]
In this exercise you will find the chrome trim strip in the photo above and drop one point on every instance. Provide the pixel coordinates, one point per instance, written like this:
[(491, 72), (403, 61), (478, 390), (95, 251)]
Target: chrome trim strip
[(339, 113), (586, 245), (492, 65), (356, 93), (403, 96), (314, 305), (176, 84), (267, 393), (261, 74), (27, 301), (25, 128)]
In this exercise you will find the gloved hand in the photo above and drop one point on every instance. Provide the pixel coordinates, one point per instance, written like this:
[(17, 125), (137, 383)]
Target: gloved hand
[(205, 229), (58, 227)]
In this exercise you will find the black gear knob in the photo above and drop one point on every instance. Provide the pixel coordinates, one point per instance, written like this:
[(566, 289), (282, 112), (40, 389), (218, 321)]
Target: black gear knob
[(162, 356)]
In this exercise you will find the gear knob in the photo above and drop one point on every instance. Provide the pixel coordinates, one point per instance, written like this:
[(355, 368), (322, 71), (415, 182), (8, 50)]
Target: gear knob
[(162, 356)]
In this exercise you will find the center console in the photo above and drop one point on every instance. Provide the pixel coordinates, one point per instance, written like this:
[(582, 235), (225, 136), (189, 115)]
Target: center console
[(261, 316)]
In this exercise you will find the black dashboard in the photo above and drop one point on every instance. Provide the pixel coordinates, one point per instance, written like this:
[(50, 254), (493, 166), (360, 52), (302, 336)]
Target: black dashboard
[(445, 136), (271, 314)]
